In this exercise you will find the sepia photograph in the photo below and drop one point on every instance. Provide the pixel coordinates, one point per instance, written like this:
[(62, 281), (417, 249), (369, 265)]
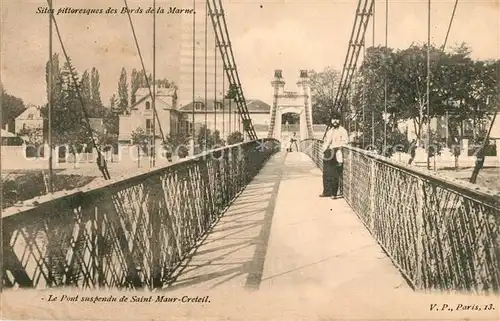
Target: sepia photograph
[(250, 160)]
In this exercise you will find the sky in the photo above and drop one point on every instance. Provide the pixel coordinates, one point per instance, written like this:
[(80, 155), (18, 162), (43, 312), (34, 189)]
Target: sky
[(266, 35)]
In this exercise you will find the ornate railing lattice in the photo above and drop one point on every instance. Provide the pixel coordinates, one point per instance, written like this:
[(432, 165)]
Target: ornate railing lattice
[(126, 233), (440, 232)]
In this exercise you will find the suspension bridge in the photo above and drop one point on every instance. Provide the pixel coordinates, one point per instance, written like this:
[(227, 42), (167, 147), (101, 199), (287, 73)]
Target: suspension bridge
[(247, 216)]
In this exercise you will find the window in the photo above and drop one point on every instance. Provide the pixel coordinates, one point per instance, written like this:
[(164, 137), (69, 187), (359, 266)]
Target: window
[(30, 116), (149, 126), (198, 106), (148, 105), (218, 105)]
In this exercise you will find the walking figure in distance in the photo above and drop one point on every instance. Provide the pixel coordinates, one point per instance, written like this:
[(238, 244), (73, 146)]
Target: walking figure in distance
[(293, 141), (335, 138)]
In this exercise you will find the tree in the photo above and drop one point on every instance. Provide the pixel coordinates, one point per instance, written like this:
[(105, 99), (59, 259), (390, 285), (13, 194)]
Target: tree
[(85, 91), (123, 91), (95, 92), (290, 118), (459, 88), (205, 138), (135, 83), (56, 79), (11, 108), (32, 135), (69, 125), (85, 87), (178, 142), (105, 142), (111, 116), (324, 86), (409, 80), (113, 104), (165, 83), (217, 139), (111, 121), (368, 96), (234, 138), (141, 140)]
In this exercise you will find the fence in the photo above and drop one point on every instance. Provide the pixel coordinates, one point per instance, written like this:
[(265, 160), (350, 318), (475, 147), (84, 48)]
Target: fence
[(441, 233), (127, 233)]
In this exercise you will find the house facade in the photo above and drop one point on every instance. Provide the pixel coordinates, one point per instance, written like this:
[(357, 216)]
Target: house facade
[(141, 115), (30, 118), (223, 116)]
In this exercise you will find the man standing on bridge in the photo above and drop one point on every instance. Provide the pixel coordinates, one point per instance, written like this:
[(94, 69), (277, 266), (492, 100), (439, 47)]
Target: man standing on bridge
[(335, 138)]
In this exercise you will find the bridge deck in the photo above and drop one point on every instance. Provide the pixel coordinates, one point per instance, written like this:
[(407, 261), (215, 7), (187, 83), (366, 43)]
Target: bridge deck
[(280, 234), (280, 237), (309, 258)]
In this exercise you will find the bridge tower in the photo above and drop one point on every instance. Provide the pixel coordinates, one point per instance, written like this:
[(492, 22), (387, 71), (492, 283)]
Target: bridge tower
[(291, 102)]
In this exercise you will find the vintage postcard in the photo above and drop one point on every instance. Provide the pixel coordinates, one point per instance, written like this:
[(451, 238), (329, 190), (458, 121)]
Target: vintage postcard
[(253, 160)]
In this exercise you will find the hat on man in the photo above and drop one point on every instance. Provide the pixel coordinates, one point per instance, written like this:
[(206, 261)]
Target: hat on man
[(336, 115)]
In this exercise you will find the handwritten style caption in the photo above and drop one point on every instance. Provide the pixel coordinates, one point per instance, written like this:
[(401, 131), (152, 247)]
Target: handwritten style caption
[(127, 299), (111, 10)]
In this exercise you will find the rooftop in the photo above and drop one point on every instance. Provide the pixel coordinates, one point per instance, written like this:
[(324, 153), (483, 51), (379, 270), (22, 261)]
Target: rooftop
[(253, 105)]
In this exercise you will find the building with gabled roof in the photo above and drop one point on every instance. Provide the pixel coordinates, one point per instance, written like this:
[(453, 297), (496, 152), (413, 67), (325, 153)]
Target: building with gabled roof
[(30, 118), (141, 114), (223, 115)]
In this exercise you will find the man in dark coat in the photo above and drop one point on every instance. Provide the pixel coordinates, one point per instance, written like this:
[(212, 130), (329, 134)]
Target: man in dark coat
[(335, 139)]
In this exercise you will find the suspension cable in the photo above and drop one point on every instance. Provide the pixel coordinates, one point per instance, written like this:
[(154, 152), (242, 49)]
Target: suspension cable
[(224, 102), (385, 75), (449, 25), (363, 103), (144, 70), (230, 65), (428, 83), (354, 48), (206, 74), (153, 103), (101, 161), (193, 131), (372, 114), (215, 91)]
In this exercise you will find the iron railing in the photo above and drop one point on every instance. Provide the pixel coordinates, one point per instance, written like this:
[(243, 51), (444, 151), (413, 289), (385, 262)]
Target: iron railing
[(441, 233), (130, 232)]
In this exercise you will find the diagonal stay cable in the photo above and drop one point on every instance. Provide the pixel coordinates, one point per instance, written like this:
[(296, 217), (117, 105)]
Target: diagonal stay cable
[(349, 47), (144, 70), (226, 43), (236, 75), (356, 44), (101, 161), (231, 70), (352, 56), (449, 25), (359, 41)]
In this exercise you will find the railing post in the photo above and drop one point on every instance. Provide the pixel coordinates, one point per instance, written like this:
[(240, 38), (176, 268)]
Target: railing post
[(99, 242), (372, 214), (154, 196), (349, 155), (419, 222)]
